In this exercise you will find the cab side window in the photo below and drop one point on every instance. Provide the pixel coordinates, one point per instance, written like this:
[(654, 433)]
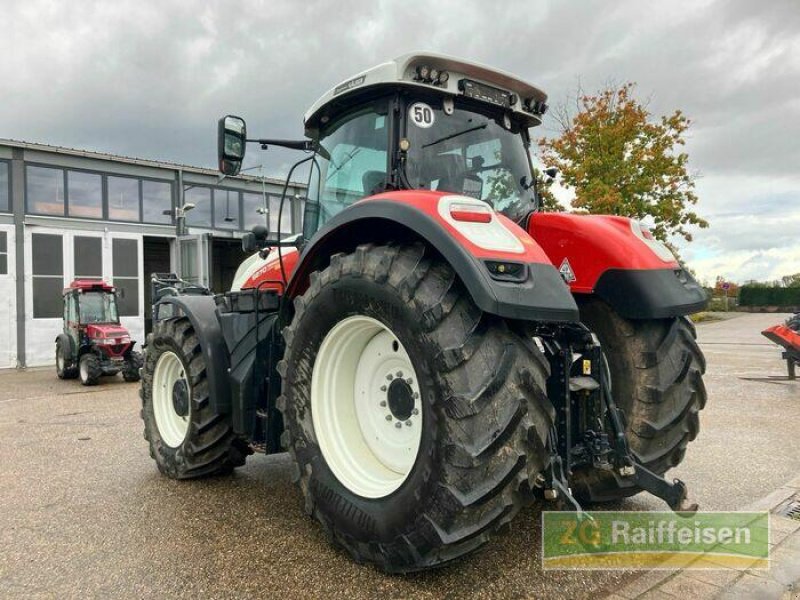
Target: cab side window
[(72, 313), (353, 161)]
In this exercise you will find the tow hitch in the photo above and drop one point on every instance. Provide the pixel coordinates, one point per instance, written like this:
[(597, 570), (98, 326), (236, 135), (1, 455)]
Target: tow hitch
[(590, 429)]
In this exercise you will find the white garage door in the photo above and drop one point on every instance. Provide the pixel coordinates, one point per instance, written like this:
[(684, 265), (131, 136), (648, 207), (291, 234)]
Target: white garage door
[(8, 297), (54, 258)]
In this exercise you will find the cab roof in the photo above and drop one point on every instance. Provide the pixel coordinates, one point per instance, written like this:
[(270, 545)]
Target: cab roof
[(88, 285), (524, 99)]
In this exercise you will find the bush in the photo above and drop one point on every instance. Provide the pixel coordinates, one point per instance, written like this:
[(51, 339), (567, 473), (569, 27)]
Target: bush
[(768, 296)]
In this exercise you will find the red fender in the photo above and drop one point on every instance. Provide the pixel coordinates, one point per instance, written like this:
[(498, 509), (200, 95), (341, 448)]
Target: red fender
[(783, 336), (593, 244)]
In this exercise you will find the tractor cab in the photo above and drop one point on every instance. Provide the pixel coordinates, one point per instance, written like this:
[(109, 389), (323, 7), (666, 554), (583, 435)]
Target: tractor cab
[(419, 122), (93, 342)]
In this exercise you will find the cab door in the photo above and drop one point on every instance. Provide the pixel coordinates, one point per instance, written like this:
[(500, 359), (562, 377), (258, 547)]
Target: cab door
[(71, 322)]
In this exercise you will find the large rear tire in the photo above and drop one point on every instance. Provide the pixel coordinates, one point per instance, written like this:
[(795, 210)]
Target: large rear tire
[(386, 342), (187, 439), (64, 370), (657, 380)]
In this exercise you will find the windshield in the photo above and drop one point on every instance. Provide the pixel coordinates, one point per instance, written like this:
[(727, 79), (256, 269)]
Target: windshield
[(468, 153), (98, 307)]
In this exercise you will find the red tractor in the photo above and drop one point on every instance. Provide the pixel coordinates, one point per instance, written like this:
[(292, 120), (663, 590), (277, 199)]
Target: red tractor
[(93, 342), (432, 352)]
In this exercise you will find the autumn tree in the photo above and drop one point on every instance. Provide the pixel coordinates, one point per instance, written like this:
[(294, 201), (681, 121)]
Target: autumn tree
[(503, 189), (620, 160), (719, 287), (544, 189)]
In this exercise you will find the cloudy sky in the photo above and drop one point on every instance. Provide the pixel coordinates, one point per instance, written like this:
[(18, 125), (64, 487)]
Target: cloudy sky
[(149, 79)]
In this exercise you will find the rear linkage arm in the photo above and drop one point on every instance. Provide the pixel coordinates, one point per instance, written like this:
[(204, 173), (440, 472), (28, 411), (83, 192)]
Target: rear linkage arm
[(568, 437)]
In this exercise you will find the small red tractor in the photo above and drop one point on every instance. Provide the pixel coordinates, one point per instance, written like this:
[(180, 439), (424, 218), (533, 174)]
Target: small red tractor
[(93, 342), (432, 350)]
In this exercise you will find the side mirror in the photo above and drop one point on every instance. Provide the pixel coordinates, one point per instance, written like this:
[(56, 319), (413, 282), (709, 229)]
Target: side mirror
[(254, 240), (231, 141)]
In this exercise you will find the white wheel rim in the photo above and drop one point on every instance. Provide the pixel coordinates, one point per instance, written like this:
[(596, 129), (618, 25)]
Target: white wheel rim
[(172, 426), (366, 407), (84, 371), (59, 360)]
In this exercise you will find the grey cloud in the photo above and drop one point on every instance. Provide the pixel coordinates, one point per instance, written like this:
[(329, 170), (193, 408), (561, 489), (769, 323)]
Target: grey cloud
[(150, 78)]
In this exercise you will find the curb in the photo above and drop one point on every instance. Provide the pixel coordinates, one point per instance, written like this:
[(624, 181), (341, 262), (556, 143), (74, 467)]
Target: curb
[(782, 580)]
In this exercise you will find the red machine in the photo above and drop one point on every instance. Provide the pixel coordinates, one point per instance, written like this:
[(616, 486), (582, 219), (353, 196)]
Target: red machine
[(93, 342), (788, 337)]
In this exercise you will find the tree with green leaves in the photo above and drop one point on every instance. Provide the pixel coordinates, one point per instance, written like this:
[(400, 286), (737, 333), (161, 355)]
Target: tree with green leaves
[(620, 160), (791, 281)]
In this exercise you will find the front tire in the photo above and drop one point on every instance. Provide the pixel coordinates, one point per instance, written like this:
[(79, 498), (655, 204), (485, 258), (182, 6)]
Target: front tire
[(481, 423), (89, 369), (133, 362), (657, 380), (187, 439)]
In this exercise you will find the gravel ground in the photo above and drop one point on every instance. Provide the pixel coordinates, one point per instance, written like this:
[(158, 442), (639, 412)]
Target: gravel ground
[(85, 513)]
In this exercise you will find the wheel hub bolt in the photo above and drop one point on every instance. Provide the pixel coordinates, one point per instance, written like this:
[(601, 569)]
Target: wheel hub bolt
[(408, 423), (399, 373), (389, 377), (415, 411), (409, 381), (398, 425), (388, 417), (383, 388), (383, 403), (416, 395)]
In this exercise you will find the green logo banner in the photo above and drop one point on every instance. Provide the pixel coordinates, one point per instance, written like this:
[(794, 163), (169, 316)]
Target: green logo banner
[(655, 540)]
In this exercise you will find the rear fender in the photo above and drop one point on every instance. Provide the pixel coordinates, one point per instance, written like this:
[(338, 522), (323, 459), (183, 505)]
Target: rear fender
[(202, 314), (616, 260), (411, 216)]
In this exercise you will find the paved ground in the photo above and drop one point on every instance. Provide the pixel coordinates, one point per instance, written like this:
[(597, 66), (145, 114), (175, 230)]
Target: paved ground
[(84, 513)]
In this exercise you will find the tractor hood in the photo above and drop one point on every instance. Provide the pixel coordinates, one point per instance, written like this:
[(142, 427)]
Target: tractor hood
[(106, 330)]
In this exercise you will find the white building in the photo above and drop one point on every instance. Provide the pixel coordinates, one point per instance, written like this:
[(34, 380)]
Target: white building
[(69, 213)]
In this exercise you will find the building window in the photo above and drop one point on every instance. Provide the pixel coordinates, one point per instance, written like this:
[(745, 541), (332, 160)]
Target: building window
[(48, 275), (88, 253), (286, 216), (123, 199), (226, 209), (85, 195), (156, 201), (200, 215), (125, 265), (251, 204), (5, 188), (45, 190), (3, 253)]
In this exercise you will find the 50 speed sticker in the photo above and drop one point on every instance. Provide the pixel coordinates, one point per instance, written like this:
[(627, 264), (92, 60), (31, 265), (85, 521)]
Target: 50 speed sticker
[(421, 115)]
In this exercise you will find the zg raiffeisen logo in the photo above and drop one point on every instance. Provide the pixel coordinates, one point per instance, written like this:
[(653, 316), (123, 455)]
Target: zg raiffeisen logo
[(655, 540)]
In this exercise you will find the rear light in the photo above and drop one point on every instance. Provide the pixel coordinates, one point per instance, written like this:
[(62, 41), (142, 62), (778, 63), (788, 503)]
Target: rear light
[(648, 235), (471, 213), (475, 220), (642, 231)]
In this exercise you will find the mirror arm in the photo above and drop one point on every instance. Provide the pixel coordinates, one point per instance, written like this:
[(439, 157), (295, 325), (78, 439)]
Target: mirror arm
[(306, 145)]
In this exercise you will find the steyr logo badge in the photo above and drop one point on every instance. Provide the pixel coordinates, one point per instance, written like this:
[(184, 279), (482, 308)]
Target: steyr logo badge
[(566, 271)]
